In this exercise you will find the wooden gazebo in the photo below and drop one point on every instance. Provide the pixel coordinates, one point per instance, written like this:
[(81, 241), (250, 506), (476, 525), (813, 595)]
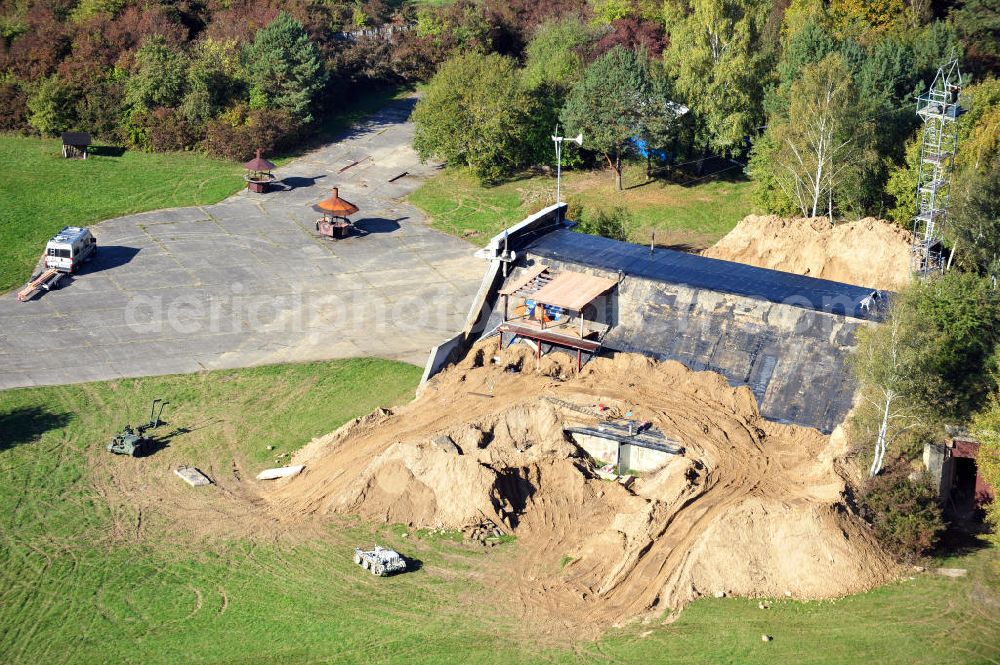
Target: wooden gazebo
[(336, 210), (552, 307), (74, 144), (258, 175)]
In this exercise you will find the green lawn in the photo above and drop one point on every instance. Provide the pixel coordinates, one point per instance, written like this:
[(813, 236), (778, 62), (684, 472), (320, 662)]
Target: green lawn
[(87, 578), (42, 192), (693, 216)]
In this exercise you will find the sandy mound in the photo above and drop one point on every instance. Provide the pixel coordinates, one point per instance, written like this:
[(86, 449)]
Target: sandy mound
[(752, 507), (868, 252)]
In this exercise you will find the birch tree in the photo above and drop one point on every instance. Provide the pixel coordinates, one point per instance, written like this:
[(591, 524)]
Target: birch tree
[(821, 147), (884, 365)]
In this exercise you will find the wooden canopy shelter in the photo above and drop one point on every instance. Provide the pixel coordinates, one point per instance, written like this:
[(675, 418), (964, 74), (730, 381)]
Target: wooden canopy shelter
[(75, 144), (573, 290), (336, 210), (259, 174), (553, 303)]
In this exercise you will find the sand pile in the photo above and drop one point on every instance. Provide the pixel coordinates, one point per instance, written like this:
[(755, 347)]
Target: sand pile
[(868, 252), (751, 508)]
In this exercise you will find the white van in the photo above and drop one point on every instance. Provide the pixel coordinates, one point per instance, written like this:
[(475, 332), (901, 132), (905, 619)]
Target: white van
[(70, 248)]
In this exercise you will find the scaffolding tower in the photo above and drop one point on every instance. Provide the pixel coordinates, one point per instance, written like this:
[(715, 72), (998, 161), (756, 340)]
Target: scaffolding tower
[(939, 108)]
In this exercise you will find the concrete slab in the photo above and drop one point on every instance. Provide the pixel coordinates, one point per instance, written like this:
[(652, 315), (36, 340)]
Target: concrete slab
[(247, 281)]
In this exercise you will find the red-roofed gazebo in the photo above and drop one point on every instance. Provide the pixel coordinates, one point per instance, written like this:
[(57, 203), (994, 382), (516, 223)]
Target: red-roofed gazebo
[(334, 222), (259, 174)]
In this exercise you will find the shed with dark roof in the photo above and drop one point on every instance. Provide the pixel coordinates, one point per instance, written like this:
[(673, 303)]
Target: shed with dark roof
[(74, 144)]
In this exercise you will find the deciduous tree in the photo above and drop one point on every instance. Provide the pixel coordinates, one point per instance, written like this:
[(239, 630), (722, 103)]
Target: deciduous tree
[(213, 79), (821, 147), (51, 106), (974, 224), (554, 54), (159, 78), (986, 428), (719, 66), (885, 363), (476, 113)]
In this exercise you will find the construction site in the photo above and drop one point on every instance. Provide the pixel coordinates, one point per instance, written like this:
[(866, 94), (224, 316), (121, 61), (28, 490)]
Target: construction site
[(579, 432), (611, 432)]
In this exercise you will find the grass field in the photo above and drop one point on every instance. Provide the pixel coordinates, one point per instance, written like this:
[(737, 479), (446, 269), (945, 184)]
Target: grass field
[(692, 216), (86, 578), (42, 192)]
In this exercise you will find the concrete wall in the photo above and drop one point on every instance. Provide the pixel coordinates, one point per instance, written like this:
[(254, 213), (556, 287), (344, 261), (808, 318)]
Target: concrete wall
[(441, 355), (937, 461), (514, 239), (636, 458)]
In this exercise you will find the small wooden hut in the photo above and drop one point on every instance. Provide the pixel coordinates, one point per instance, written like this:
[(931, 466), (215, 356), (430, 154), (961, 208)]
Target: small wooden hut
[(259, 176), (74, 144), (336, 210)]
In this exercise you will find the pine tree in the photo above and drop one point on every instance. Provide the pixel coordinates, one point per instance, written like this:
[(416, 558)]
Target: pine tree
[(284, 68)]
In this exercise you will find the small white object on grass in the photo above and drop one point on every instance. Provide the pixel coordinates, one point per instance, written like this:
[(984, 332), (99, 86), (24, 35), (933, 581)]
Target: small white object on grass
[(280, 472)]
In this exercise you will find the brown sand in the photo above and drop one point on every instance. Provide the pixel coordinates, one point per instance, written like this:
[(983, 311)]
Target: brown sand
[(753, 508), (868, 252)]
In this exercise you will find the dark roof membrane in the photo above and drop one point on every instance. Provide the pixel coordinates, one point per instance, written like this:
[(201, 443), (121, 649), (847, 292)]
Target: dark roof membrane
[(701, 272), (76, 138)]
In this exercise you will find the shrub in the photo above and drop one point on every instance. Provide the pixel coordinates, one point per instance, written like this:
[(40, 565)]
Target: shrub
[(238, 133), (415, 58), (168, 130), (986, 427), (99, 109), (51, 106), (612, 223), (905, 512), (14, 102), (476, 113), (160, 76)]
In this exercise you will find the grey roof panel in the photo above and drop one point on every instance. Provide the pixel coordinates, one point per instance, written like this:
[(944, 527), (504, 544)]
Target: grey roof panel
[(701, 272)]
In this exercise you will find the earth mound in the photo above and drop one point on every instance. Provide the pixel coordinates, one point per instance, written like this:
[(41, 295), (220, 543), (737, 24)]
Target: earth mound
[(868, 252), (751, 507)]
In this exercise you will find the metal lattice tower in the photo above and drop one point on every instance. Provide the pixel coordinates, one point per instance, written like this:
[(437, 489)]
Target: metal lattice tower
[(939, 108)]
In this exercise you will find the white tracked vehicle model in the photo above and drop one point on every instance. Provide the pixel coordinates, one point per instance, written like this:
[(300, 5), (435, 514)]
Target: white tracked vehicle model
[(380, 561)]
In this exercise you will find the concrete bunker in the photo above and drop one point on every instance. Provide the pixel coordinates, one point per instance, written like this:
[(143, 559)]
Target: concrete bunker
[(785, 336)]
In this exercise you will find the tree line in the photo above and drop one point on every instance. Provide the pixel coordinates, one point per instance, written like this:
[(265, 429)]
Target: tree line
[(227, 76), (817, 97)]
